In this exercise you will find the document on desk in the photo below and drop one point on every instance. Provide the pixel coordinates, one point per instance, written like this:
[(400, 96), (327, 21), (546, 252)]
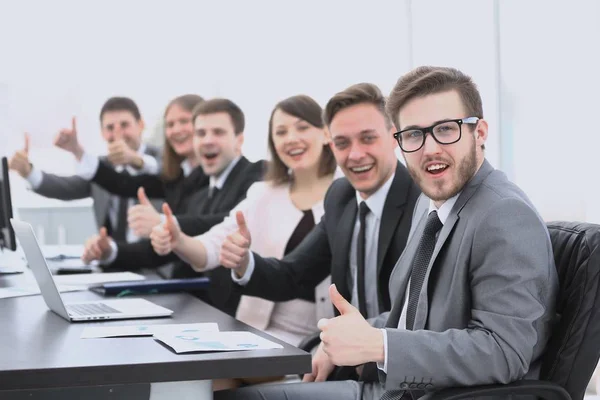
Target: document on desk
[(18, 291), (216, 341), (95, 332), (62, 252), (96, 279)]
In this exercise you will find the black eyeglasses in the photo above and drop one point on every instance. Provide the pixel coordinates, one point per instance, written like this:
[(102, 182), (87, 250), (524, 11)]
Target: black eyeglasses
[(445, 132)]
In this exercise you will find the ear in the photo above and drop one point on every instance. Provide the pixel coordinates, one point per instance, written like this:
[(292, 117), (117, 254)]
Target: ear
[(390, 133), (481, 132), (141, 124), (239, 139), (326, 138)]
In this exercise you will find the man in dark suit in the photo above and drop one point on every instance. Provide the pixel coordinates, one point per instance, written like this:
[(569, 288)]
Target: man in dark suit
[(366, 223), (121, 126), (475, 289), (219, 135)]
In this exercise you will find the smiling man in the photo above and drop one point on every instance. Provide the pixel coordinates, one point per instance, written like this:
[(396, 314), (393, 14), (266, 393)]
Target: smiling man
[(366, 223), (218, 138), (475, 288)]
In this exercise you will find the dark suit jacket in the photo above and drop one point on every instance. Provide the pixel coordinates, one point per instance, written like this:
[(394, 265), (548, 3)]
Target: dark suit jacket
[(326, 249), (205, 213), (177, 193)]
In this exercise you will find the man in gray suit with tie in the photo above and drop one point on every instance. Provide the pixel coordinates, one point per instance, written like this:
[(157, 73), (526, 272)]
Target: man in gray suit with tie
[(474, 290), (122, 127)]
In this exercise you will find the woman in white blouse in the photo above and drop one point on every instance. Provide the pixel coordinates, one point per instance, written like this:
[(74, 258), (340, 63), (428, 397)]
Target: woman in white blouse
[(279, 213)]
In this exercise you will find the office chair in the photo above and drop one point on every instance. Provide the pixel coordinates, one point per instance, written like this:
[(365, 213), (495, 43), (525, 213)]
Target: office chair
[(574, 347)]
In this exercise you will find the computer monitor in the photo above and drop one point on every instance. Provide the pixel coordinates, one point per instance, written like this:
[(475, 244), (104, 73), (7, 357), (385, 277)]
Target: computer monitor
[(7, 234)]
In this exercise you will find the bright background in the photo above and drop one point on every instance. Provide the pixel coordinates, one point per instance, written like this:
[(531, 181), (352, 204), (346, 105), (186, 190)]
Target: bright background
[(536, 63)]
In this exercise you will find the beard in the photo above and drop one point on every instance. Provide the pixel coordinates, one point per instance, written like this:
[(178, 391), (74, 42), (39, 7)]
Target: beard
[(442, 190)]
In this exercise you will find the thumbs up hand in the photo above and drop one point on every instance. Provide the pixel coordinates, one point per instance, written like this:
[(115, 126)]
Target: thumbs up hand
[(119, 153), (20, 160), (67, 140), (143, 217), (97, 247), (166, 237), (235, 249), (349, 339)]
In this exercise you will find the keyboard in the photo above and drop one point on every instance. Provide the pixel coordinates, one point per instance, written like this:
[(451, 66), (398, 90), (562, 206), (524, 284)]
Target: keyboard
[(91, 309)]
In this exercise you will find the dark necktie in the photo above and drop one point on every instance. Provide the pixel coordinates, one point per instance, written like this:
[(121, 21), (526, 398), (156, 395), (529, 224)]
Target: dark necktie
[(208, 208), (417, 277), (360, 259), (420, 264), (121, 230)]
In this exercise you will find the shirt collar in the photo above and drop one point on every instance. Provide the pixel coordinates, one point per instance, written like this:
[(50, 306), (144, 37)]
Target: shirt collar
[(186, 167), (376, 201), (219, 181), (142, 149), (444, 210)]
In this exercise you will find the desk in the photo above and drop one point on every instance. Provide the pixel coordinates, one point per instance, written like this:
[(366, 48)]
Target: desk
[(40, 350)]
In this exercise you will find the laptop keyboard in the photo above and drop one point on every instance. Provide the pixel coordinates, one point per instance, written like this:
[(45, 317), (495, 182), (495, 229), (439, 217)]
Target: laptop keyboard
[(91, 309)]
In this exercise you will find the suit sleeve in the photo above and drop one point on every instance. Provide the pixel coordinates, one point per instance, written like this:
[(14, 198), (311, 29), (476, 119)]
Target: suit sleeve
[(64, 187), (194, 225), (139, 254), (512, 287), (302, 269), (127, 185)]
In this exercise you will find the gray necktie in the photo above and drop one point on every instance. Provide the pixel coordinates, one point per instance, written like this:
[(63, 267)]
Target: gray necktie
[(420, 264), (417, 277)]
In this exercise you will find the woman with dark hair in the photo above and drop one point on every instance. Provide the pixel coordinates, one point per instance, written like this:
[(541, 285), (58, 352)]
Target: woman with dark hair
[(280, 212)]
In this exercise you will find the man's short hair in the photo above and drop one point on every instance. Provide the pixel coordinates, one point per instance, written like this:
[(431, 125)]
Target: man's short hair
[(120, 104), (361, 93), (215, 106), (427, 80)]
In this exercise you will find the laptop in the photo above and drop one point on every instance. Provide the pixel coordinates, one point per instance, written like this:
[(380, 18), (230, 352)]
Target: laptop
[(83, 311)]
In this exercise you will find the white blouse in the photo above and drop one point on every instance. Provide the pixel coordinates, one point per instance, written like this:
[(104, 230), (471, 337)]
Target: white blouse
[(271, 218)]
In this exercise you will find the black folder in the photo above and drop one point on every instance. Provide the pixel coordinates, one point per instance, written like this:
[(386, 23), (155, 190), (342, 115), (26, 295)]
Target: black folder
[(151, 286)]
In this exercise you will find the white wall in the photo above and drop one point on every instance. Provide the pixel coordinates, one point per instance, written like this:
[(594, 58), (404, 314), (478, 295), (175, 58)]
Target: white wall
[(67, 57), (550, 80)]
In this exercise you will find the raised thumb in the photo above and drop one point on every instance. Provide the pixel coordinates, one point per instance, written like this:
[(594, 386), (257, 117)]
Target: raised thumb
[(242, 227), (342, 305), (142, 197), (170, 220), (26, 148)]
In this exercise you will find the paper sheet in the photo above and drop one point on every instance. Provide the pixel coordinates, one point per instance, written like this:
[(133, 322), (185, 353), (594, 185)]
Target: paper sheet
[(15, 291), (62, 251), (93, 332), (96, 279), (216, 341)]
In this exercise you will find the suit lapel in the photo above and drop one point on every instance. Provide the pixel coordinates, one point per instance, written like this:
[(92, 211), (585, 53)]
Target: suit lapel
[(341, 251), (392, 212), (466, 194), (401, 273), (213, 205)]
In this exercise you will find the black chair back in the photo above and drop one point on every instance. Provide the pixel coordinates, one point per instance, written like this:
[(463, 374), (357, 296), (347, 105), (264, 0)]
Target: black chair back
[(574, 347)]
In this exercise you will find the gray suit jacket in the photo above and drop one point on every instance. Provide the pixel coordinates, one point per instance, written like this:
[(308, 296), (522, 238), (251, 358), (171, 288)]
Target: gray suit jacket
[(485, 311), (75, 187)]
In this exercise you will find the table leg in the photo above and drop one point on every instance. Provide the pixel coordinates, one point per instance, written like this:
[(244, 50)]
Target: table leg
[(186, 390)]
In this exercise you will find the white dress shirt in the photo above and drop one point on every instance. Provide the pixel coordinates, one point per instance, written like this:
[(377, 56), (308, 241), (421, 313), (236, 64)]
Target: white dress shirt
[(375, 202), (219, 181), (373, 221), (443, 213)]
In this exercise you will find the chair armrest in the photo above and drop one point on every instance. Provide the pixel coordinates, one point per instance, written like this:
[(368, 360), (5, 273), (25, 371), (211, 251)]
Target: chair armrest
[(541, 389), (310, 342)]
